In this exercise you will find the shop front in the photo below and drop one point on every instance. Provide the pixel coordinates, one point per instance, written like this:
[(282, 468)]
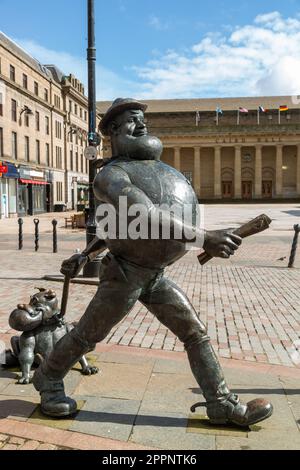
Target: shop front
[(8, 190), (33, 192)]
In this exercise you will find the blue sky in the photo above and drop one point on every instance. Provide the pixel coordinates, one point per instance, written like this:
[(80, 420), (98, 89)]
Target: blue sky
[(167, 49)]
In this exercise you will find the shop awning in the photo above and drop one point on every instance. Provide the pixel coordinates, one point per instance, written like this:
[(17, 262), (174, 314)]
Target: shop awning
[(32, 181)]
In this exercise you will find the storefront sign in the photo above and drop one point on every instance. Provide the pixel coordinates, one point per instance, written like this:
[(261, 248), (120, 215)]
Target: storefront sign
[(8, 170), (31, 174)]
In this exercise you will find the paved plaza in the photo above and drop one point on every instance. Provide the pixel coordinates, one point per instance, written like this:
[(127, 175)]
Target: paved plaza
[(142, 396)]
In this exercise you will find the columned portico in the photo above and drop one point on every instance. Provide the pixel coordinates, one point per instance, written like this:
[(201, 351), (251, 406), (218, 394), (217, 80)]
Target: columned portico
[(238, 172), (298, 170), (279, 161), (258, 172), (217, 173), (177, 162), (197, 177)]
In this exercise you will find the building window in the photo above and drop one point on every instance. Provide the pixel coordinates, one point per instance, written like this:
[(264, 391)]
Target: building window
[(1, 104), (25, 81), (85, 115), (70, 106), (82, 162), (1, 142), (37, 120), (59, 158), (47, 125), (59, 191), (26, 120), (14, 110), (57, 101), (46, 95), (14, 145), (71, 160), (38, 151), (80, 113), (77, 162), (76, 109), (27, 149), (12, 73), (47, 154), (36, 88), (58, 129)]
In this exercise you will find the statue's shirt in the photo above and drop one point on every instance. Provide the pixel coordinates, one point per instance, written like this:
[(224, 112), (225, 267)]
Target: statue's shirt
[(163, 185)]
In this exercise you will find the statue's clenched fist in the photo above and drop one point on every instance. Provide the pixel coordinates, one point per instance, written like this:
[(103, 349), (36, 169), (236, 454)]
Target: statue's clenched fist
[(71, 267), (221, 243)]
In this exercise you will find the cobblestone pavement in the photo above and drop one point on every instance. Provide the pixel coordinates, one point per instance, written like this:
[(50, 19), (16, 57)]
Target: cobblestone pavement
[(141, 397), (249, 303), (8, 442)]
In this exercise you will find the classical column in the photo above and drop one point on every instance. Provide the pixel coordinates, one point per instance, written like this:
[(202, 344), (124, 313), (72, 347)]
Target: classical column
[(238, 172), (298, 170), (217, 173), (279, 170), (177, 158), (258, 172), (197, 178)]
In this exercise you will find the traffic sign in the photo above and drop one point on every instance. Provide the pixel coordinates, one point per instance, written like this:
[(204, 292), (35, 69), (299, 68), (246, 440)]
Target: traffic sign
[(90, 153)]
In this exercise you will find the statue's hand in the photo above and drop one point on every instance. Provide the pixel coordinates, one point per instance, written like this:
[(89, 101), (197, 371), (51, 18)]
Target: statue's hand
[(71, 267), (221, 243)]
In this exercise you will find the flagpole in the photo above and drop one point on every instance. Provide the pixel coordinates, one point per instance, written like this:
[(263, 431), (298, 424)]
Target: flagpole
[(217, 120), (279, 116), (238, 117), (258, 116)]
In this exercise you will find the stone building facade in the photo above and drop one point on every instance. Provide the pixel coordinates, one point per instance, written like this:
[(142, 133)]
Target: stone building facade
[(43, 134), (233, 155)]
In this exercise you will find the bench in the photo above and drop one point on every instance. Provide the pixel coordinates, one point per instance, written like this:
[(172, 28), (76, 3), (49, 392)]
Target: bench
[(70, 221)]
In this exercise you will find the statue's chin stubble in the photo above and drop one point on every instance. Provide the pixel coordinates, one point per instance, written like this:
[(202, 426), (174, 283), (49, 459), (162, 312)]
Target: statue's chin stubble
[(145, 147)]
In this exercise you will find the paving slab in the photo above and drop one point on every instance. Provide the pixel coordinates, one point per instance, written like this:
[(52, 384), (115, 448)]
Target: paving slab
[(17, 408), (168, 366), (127, 381), (37, 417), (7, 377), (124, 358), (168, 431), (170, 393), (106, 417)]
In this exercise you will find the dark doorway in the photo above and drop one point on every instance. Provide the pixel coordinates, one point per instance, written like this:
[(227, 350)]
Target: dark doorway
[(227, 190), (267, 189), (247, 189)]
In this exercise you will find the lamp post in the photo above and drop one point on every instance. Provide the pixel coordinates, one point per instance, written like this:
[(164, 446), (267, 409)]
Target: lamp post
[(91, 269)]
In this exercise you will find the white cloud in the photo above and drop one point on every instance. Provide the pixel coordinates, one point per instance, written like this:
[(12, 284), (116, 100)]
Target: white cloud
[(258, 59), (156, 23), (109, 85), (262, 58)]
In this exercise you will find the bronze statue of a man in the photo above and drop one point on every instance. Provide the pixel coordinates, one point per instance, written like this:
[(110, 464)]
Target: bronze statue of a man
[(134, 270)]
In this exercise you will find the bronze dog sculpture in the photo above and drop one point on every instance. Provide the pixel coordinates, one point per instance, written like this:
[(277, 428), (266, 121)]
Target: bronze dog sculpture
[(42, 327)]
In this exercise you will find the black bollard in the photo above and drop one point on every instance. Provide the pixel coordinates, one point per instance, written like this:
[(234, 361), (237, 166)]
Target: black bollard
[(54, 223), (20, 222), (36, 234), (294, 246)]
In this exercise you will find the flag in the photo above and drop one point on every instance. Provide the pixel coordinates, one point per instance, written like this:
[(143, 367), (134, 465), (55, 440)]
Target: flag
[(262, 109), (283, 108), (243, 110), (219, 111), (197, 118)]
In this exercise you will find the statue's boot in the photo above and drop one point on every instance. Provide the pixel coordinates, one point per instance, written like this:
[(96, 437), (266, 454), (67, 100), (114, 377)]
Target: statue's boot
[(48, 378), (223, 407)]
